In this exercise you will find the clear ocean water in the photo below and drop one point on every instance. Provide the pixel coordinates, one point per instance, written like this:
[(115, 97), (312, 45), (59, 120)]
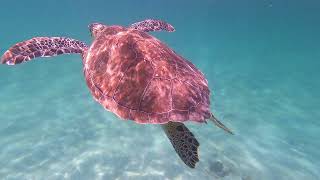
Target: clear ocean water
[(261, 58)]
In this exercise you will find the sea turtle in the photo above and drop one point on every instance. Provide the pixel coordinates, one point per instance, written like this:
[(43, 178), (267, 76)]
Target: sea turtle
[(136, 76)]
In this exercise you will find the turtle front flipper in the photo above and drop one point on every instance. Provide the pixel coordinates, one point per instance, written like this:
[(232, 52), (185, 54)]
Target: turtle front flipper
[(183, 141), (42, 47), (152, 25)]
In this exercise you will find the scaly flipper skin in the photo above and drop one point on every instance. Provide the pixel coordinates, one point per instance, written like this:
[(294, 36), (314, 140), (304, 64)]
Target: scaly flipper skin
[(42, 47), (219, 124), (152, 25), (183, 141)]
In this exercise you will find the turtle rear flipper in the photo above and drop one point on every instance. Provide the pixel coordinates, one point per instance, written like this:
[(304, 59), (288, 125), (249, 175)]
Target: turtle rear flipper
[(41, 47), (183, 141)]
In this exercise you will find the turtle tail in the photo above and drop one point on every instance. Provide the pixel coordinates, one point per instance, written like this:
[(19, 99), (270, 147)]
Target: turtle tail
[(220, 125), (42, 47)]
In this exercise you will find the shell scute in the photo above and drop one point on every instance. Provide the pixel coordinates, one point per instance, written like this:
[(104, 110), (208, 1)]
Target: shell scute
[(133, 84), (179, 115), (159, 118), (164, 69), (140, 116), (157, 98), (180, 100), (199, 111)]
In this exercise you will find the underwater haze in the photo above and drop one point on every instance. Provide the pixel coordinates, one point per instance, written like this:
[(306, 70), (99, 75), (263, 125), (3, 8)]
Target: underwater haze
[(262, 62)]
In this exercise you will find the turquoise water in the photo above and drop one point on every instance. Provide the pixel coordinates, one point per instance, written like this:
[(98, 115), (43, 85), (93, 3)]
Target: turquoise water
[(261, 59)]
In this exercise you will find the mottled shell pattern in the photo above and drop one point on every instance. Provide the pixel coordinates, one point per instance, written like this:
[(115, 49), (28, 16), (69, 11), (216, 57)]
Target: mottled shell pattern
[(136, 76)]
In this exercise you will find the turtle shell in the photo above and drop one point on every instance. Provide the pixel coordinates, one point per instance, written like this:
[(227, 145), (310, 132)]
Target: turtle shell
[(137, 77)]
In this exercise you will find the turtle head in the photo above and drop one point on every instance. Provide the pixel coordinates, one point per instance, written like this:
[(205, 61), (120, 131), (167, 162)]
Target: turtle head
[(96, 28)]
